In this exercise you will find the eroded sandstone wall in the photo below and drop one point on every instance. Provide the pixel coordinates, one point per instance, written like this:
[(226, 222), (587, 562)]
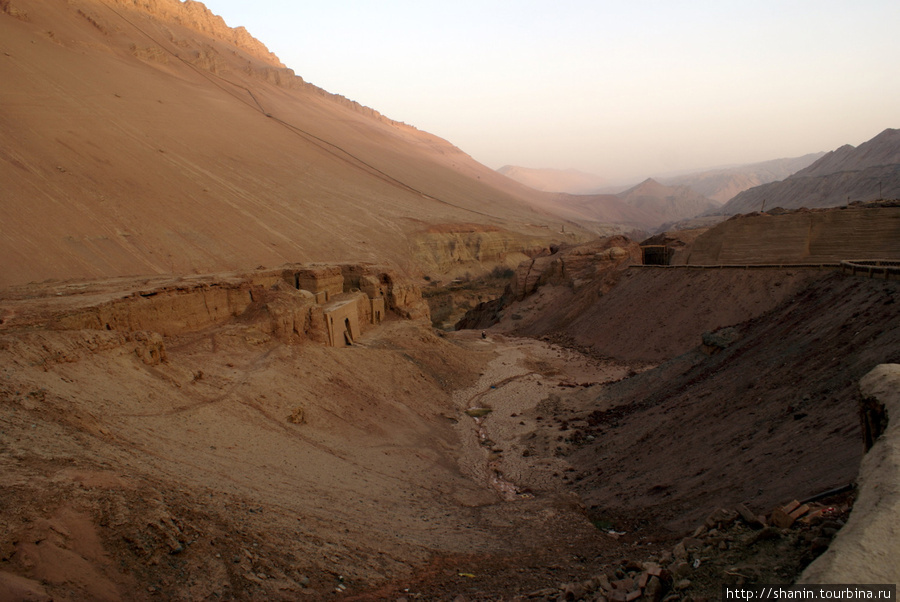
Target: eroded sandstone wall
[(456, 251), (268, 301), (168, 311)]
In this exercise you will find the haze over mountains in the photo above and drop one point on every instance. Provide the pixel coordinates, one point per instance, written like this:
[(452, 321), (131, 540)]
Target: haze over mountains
[(719, 184), (868, 172), (570, 181), (865, 173)]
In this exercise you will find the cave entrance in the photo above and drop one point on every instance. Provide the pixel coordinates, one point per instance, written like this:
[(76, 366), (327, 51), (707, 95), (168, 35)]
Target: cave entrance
[(348, 334), (656, 255)]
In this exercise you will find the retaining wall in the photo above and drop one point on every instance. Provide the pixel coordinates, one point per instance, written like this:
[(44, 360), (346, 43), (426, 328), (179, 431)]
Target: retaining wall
[(799, 237)]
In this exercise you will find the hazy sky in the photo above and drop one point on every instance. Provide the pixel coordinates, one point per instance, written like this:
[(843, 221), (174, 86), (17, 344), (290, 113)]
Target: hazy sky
[(624, 89)]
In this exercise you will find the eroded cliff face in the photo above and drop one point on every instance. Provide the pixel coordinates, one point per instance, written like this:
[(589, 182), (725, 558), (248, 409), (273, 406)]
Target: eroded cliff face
[(266, 304), (574, 267), (594, 264), (198, 17), (170, 310), (460, 249)]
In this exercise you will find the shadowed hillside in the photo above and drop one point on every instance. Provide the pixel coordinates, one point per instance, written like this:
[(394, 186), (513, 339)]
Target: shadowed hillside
[(865, 173)]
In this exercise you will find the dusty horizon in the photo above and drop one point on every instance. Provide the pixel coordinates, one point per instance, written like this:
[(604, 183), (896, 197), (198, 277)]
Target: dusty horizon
[(622, 92)]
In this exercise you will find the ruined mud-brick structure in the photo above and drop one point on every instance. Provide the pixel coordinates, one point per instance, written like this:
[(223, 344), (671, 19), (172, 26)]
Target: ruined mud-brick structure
[(348, 303), (327, 304)]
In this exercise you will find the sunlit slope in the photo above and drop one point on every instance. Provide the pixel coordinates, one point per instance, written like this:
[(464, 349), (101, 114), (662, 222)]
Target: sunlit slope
[(132, 142)]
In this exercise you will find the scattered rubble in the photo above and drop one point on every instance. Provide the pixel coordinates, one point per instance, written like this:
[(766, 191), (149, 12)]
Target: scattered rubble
[(733, 546)]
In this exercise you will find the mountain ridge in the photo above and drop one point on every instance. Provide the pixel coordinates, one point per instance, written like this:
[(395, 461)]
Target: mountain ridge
[(868, 172), (671, 203)]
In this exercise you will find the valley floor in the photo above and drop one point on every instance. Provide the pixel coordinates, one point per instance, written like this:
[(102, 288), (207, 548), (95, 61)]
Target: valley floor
[(419, 464)]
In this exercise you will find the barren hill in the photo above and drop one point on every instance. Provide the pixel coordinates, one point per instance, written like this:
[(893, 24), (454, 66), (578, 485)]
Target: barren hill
[(143, 138), (291, 426), (721, 185), (303, 432), (866, 173), (671, 203)]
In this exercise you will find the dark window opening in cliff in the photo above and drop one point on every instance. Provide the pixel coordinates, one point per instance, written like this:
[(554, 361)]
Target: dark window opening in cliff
[(656, 255)]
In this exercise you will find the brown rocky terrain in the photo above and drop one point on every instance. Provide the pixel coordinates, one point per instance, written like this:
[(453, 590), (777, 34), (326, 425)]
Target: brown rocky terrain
[(180, 419), (869, 172), (198, 438), (721, 185)]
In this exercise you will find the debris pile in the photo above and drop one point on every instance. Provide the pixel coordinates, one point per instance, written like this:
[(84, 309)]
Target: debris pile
[(733, 546)]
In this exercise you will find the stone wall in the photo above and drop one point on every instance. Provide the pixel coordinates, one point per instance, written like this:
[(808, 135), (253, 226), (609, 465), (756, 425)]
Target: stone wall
[(343, 319), (805, 236), (267, 300)]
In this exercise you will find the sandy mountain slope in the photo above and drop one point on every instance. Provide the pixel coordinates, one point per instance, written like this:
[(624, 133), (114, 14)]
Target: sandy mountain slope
[(570, 181), (603, 209), (150, 138), (671, 203), (867, 173), (721, 185)]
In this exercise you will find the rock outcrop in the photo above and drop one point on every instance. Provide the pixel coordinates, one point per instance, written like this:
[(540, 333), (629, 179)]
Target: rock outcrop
[(198, 17), (594, 263), (457, 249), (292, 303)]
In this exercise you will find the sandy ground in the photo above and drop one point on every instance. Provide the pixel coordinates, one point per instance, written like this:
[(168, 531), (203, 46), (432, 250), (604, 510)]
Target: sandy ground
[(414, 462), (193, 478)]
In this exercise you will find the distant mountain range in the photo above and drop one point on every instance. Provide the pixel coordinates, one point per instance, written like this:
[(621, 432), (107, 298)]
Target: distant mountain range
[(868, 172), (721, 185), (718, 185), (671, 203), (643, 208)]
